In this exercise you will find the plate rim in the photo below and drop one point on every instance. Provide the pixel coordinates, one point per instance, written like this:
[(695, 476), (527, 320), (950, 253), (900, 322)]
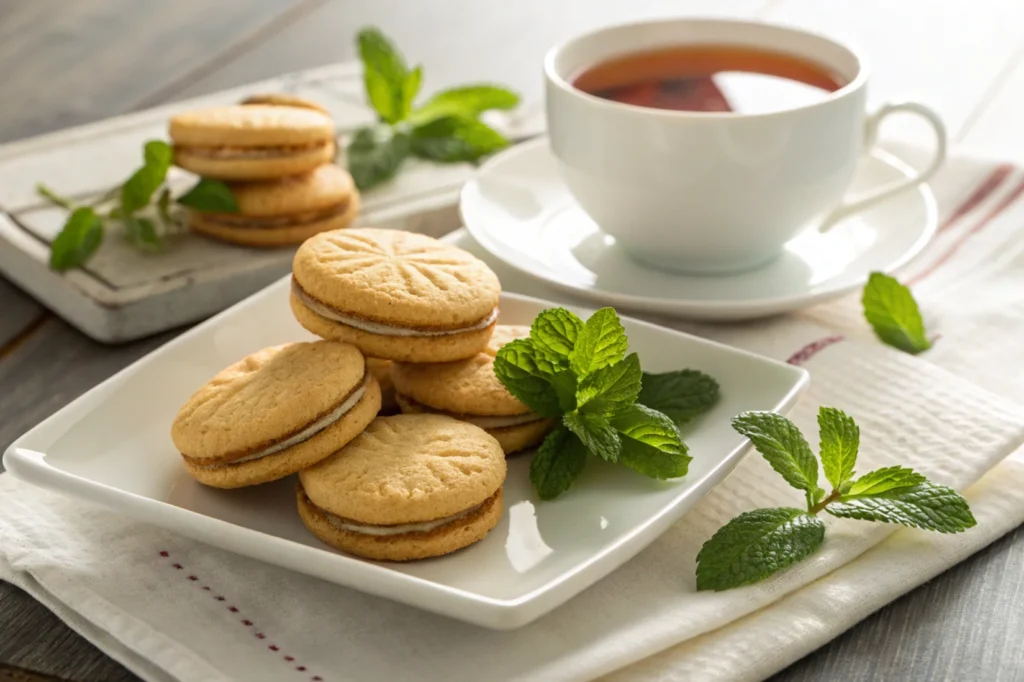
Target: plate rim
[(690, 309), (25, 460)]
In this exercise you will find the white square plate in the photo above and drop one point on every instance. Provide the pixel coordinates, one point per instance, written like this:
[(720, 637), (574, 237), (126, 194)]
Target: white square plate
[(113, 446)]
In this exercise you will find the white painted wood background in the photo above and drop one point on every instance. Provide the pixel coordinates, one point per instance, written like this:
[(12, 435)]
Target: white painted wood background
[(962, 58)]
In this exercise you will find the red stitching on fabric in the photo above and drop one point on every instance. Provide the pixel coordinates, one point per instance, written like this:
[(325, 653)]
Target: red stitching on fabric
[(245, 621), (812, 349)]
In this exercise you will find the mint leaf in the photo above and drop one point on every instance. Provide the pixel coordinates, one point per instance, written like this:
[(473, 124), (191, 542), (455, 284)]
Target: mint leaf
[(755, 545), (610, 388), (451, 139), (596, 433), (467, 100), (78, 239), (163, 208), (139, 188), (142, 233), (375, 155), (516, 367), (682, 395), (555, 331), (840, 439), (208, 195), (600, 343), (411, 88), (881, 480), (780, 442), (385, 76), (892, 312), (925, 505), (564, 383), (557, 463), (650, 443)]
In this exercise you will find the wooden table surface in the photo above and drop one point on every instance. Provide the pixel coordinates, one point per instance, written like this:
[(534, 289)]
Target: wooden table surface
[(65, 64)]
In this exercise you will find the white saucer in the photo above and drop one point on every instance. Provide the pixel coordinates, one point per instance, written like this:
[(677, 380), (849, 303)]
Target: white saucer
[(519, 210)]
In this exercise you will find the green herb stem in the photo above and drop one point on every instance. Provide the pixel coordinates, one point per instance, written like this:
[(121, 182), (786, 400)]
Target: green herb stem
[(54, 198), (835, 495)]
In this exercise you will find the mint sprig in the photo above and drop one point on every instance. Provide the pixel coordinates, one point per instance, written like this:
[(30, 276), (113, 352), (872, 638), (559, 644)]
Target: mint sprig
[(446, 129), (758, 544), (780, 442), (84, 229), (578, 372), (893, 314)]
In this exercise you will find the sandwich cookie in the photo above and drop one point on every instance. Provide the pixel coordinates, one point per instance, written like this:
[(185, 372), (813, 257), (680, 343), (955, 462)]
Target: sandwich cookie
[(395, 295), (285, 211), (277, 411), (408, 487), (468, 390), (252, 142), (381, 371)]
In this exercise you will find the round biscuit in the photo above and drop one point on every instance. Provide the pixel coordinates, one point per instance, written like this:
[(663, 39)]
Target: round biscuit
[(402, 348), (407, 469), (397, 278), (265, 397), (250, 126), (409, 546), (328, 185), (294, 162), (465, 387), (299, 456), (272, 236)]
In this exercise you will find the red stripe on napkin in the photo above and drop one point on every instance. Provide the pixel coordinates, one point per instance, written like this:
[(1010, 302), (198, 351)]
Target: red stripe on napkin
[(1007, 201), (984, 190), (810, 350)]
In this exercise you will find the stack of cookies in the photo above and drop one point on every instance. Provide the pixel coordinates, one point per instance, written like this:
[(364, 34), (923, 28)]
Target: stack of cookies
[(276, 154), (394, 309), (428, 307)]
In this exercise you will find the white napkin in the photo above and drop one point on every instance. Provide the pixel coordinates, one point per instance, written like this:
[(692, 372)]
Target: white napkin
[(171, 608)]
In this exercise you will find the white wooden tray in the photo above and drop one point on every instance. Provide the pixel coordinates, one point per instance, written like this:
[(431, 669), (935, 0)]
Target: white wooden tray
[(122, 294)]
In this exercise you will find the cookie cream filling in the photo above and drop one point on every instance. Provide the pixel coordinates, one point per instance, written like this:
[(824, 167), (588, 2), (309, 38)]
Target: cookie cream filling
[(383, 329), (305, 434), (483, 421), (400, 529), (251, 152)]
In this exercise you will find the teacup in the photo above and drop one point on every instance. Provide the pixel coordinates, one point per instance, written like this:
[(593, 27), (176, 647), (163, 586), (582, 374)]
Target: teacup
[(716, 192)]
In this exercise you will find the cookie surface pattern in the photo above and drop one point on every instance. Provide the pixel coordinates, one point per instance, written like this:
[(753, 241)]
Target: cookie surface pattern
[(395, 277), (269, 394), (408, 468)]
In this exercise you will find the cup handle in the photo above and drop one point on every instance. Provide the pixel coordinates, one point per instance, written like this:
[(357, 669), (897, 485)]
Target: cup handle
[(865, 199)]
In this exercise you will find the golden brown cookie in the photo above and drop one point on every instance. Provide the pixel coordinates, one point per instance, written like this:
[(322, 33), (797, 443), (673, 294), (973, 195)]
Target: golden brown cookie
[(395, 295), (381, 371), (284, 211), (469, 390), (276, 411), (408, 487), (252, 142)]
